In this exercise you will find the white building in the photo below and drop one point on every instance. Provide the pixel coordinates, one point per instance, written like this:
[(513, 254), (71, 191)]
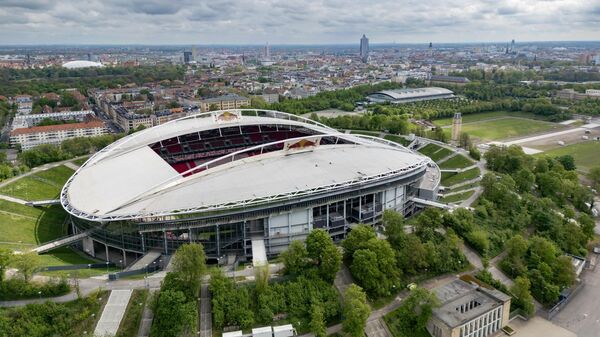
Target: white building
[(55, 134)]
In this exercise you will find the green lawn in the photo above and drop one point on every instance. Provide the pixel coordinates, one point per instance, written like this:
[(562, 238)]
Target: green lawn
[(508, 127), (133, 315), (435, 152), (458, 196), (23, 227), (456, 162), (393, 322), (586, 154), (397, 139), (477, 117), (450, 178), (366, 132), (80, 161), (461, 188), (39, 186)]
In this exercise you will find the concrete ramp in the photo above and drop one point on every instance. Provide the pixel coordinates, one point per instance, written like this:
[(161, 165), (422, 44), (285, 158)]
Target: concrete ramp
[(113, 313), (431, 203), (259, 253), (60, 242), (145, 260), (43, 202)]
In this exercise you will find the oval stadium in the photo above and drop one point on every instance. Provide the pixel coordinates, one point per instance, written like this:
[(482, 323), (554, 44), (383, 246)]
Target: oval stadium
[(241, 182)]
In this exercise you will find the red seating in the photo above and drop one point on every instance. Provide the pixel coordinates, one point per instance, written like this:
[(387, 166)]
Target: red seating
[(174, 149)]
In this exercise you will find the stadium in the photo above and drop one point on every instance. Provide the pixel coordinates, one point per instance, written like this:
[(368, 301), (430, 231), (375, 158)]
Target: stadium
[(241, 182)]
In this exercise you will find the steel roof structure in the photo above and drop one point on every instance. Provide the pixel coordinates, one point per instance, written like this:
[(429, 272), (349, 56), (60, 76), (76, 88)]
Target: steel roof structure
[(128, 180)]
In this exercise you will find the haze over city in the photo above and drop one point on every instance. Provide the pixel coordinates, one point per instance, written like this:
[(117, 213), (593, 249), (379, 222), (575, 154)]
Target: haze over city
[(294, 22)]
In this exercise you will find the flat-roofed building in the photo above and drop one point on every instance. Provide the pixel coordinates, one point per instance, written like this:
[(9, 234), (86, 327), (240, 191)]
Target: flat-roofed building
[(410, 95), (468, 310), (443, 79), (55, 134), (229, 101)]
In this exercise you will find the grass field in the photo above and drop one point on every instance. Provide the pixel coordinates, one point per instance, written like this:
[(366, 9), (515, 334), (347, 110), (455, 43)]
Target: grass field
[(435, 152), (461, 188), (504, 128), (365, 132), (456, 162), (393, 319), (486, 116), (80, 161), (450, 178), (23, 227), (133, 315), (458, 196), (586, 154), (397, 139), (39, 186)]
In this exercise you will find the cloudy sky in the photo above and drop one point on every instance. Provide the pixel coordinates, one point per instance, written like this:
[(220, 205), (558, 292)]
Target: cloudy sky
[(294, 21)]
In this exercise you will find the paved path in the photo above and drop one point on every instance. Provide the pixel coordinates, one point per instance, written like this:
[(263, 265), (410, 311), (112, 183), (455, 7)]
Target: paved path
[(113, 313), (205, 325), (543, 136), (36, 170), (13, 199), (582, 314), (72, 166)]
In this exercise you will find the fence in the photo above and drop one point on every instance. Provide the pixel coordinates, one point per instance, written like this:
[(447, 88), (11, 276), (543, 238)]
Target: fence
[(558, 306), (149, 269), (80, 266)]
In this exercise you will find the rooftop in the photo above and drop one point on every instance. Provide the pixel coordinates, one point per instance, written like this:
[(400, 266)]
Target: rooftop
[(95, 123), (412, 93), (460, 293)]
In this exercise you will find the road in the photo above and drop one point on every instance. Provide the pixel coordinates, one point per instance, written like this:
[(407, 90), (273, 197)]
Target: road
[(582, 314)]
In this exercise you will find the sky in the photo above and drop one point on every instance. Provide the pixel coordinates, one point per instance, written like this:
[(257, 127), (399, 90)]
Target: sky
[(295, 22)]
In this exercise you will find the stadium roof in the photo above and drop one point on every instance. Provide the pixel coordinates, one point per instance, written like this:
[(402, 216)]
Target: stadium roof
[(128, 180), (409, 94), (82, 64)]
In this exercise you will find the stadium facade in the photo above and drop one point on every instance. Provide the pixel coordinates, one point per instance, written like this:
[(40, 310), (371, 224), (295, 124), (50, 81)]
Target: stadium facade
[(409, 95), (226, 178)]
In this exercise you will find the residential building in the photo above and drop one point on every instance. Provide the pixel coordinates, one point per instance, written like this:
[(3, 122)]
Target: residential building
[(187, 57), (55, 134), (229, 101), (571, 94), (468, 310)]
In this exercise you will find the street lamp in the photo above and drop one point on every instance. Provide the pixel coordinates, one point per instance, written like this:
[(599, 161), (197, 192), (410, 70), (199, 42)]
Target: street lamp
[(107, 266), (121, 264), (40, 294)]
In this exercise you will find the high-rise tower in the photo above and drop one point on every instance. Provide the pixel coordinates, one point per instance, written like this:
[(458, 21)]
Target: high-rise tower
[(456, 124), (364, 48)]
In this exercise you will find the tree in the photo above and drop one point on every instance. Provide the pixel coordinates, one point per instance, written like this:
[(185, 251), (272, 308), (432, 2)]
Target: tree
[(26, 263), (174, 315), (189, 262), (567, 161), (357, 239), (355, 310), (213, 107), (416, 309), (374, 267), (324, 253), (295, 258), (594, 176), (5, 260), (317, 320), (522, 296)]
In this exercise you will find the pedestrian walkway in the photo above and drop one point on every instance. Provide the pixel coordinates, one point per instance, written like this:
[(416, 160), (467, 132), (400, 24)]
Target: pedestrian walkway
[(113, 313), (205, 325), (60, 242)]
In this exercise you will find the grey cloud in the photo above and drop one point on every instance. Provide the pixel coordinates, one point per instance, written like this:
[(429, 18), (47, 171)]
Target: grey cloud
[(27, 4)]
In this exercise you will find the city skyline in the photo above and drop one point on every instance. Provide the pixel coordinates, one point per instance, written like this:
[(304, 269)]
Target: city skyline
[(327, 22)]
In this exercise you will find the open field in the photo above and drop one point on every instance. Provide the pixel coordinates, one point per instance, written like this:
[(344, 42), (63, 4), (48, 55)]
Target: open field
[(39, 186), (450, 178), (80, 161), (435, 152), (23, 227), (550, 143), (456, 162), (477, 117), (397, 139), (505, 128), (586, 154)]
